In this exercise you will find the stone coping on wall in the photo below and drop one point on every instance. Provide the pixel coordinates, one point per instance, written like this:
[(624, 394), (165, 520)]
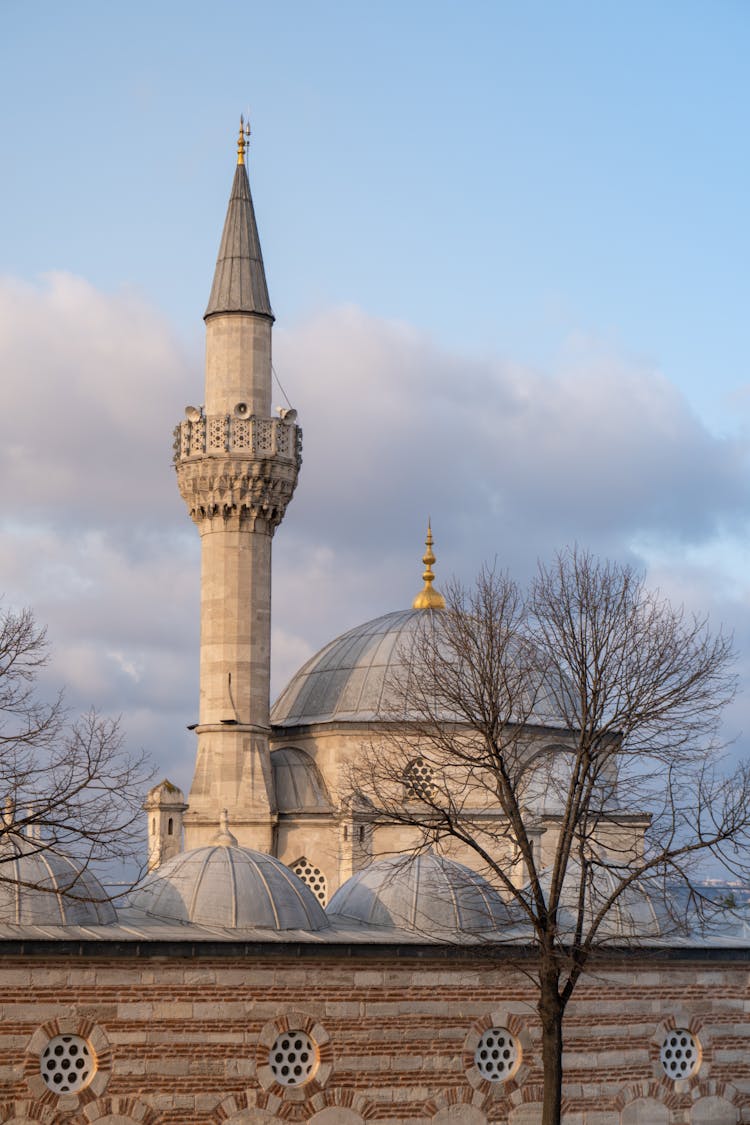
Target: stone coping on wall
[(188, 946)]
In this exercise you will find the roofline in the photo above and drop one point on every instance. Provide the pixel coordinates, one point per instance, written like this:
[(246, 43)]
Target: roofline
[(328, 726)]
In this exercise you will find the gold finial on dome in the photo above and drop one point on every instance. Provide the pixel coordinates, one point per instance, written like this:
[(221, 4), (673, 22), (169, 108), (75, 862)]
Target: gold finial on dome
[(243, 140), (427, 598)]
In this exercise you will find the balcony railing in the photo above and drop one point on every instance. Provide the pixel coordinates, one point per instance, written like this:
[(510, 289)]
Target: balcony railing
[(225, 433)]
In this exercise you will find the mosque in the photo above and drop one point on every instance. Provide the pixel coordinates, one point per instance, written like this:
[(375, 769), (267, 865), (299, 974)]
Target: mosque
[(283, 961)]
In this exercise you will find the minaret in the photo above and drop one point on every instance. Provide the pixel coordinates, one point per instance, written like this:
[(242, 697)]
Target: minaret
[(236, 469)]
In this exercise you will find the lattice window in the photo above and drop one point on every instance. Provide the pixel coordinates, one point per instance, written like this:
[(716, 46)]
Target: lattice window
[(182, 439), (67, 1064), (293, 1058), (283, 433), (419, 783), (264, 435), (242, 433), (217, 433), (497, 1054), (311, 875), (197, 436), (680, 1054)]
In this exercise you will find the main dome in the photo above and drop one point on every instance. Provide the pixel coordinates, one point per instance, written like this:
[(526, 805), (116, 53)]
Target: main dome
[(347, 681)]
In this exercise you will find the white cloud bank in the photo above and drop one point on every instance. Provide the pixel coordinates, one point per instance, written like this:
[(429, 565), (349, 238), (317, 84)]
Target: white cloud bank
[(509, 462)]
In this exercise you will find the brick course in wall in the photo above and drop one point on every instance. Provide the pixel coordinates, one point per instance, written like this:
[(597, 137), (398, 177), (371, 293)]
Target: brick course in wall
[(183, 1035)]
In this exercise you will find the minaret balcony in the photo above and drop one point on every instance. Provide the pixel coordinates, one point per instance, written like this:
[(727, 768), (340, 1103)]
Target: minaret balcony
[(237, 471), (227, 433)]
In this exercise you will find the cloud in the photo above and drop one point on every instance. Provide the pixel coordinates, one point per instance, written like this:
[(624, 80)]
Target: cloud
[(600, 449), (509, 462), (93, 384)]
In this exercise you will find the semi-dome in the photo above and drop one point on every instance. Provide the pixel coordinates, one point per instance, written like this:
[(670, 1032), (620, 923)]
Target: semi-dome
[(298, 784), (347, 681), (425, 893), (39, 886), (229, 886)]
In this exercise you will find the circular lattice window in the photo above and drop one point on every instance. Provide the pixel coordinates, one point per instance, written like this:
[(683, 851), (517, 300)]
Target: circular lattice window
[(680, 1054), (293, 1058), (67, 1064), (313, 876), (419, 780), (497, 1054)]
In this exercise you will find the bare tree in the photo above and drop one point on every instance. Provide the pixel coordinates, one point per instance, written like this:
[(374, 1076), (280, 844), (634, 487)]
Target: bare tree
[(565, 743), (66, 786)]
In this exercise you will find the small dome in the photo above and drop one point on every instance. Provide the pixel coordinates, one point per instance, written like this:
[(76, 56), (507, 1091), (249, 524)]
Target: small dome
[(44, 888), (347, 681), (225, 885), (635, 913), (297, 782), (425, 893)]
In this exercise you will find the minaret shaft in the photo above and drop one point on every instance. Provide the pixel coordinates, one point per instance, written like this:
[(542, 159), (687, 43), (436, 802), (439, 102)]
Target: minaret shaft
[(235, 646), (238, 364), (237, 469)]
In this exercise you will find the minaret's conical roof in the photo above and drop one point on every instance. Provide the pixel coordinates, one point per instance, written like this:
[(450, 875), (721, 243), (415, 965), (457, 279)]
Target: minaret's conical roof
[(240, 279)]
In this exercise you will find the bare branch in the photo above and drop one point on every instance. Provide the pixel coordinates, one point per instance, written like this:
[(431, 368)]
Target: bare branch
[(68, 787), (565, 744)]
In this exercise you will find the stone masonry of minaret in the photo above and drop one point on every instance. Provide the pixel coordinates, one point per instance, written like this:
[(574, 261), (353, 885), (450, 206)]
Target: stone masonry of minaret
[(237, 469)]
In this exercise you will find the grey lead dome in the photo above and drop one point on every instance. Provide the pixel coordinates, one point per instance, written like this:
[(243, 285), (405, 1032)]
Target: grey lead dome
[(43, 887), (425, 893), (232, 887), (348, 680)]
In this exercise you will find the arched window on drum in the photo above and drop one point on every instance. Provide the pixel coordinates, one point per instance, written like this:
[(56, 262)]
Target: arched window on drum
[(419, 781)]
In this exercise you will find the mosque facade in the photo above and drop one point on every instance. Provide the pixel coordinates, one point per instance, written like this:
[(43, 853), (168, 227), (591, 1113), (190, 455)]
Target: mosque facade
[(288, 958)]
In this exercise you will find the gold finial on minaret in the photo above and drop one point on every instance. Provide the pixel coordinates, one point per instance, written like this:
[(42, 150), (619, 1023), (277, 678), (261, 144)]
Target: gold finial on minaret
[(243, 140), (427, 598)]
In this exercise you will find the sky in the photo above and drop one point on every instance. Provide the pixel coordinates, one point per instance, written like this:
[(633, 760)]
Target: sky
[(507, 249)]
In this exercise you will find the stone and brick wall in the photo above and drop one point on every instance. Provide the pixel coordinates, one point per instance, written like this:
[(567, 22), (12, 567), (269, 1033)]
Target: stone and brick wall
[(183, 1035)]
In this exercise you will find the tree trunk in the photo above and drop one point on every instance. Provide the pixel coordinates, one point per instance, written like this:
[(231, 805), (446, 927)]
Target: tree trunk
[(551, 1010)]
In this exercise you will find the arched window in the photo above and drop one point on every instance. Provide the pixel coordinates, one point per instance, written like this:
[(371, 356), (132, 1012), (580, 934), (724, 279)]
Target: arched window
[(419, 781), (312, 875), (170, 826)]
